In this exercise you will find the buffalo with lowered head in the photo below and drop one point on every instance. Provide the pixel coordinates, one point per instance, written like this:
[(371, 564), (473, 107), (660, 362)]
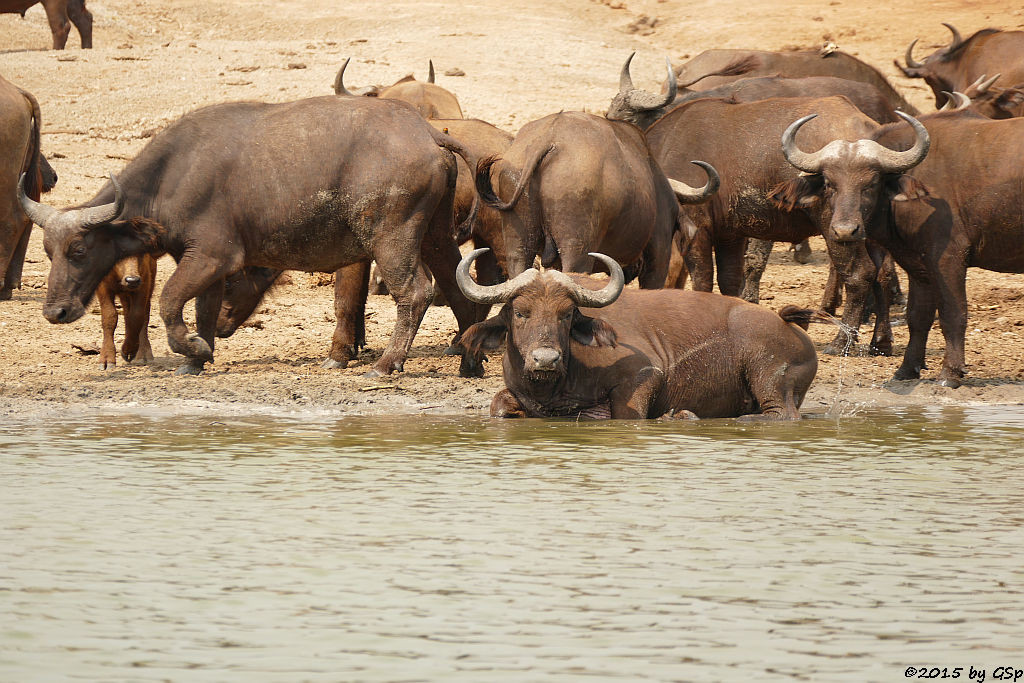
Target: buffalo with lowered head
[(311, 185), (963, 63), (576, 351), (577, 183)]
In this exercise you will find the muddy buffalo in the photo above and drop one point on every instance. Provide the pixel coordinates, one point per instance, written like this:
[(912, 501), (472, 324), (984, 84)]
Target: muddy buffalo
[(309, 185), (576, 351)]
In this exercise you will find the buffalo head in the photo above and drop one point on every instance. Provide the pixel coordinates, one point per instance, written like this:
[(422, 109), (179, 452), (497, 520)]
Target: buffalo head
[(83, 245), (939, 69), (852, 180), (640, 107), (541, 314)]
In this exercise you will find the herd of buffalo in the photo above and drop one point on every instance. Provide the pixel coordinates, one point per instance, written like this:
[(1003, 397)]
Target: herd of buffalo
[(740, 149)]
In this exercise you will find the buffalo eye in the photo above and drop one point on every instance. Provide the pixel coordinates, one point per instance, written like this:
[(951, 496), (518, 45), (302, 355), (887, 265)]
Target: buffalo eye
[(565, 316), (76, 252), (521, 314)]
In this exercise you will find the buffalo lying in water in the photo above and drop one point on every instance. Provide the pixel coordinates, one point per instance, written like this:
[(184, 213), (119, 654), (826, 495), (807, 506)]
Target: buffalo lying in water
[(573, 350)]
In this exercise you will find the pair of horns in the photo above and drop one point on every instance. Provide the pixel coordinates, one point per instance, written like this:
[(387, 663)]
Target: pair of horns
[(42, 214), (641, 100), (339, 80), (498, 294), (888, 160), (954, 43)]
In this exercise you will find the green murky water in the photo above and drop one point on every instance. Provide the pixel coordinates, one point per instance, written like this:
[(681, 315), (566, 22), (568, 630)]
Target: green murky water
[(406, 549)]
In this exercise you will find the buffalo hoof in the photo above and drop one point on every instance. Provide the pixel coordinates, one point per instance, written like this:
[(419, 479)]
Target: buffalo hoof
[(802, 252), (331, 364), (903, 373), (949, 379), (190, 368), (6, 294), (471, 367), (881, 349), (371, 373)]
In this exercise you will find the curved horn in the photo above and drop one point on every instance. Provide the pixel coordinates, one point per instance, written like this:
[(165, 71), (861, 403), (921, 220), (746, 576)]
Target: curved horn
[(693, 195), (38, 213), (896, 162), (97, 215), (957, 40), (640, 100), (430, 76), (339, 81), (495, 294), (589, 298), (909, 58), (981, 86), (955, 101), (808, 163), (625, 80)]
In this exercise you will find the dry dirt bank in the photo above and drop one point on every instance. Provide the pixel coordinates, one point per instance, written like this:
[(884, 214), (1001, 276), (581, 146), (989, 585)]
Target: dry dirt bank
[(522, 60)]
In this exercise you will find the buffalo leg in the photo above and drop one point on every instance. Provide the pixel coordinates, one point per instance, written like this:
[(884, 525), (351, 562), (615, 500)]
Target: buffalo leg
[(729, 260), (410, 287), (108, 322), (833, 296), (656, 259), (921, 307), (677, 273), (881, 339), (351, 286), (82, 19), (15, 265), (136, 324), (755, 260), (60, 27), (633, 401), (952, 305), (442, 256), (858, 273), (192, 279), (699, 259), (504, 404)]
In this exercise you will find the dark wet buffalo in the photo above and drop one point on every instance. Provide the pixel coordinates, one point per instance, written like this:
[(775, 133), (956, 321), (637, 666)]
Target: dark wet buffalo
[(644, 108), (575, 183), (764, 196), (310, 185), (713, 68), (19, 140), (61, 14), (430, 100), (955, 67), (131, 281), (576, 351), (974, 217)]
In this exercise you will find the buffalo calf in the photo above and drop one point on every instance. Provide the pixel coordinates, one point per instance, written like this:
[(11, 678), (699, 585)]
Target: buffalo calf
[(132, 282)]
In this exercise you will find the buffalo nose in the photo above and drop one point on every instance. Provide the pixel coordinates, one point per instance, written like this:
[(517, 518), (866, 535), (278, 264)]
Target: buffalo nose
[(846, 231), (56, 314), (545, 358), (132, 281)]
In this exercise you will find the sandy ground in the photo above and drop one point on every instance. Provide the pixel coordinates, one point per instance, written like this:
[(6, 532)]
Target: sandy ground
[(521, 60)]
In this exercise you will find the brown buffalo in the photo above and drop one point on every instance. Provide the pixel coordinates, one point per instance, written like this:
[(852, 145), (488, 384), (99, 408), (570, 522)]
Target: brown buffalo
[(962, 63), (765, 197), (974, 217), (430, 100), (131, 281), (713, 68), (61, 14), (644, 108), (577, 183), (19, 140), (992, 101), (309, 185), (576, 351)]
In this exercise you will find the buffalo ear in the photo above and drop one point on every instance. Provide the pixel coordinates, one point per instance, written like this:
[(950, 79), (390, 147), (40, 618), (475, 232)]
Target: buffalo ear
[(591, 331), (798, 193), (906, 188), (1010, 100), (138, 235), (485, 336)]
